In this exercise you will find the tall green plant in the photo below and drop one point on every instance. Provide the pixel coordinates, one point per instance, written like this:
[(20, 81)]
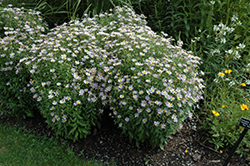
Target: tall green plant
[(57, 12)]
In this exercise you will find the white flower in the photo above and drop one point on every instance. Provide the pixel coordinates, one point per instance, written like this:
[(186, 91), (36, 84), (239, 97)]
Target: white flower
[(39, 98), (78, 102), (156, 123), (62, 101), (32, 89), (223, 40), (32, 71), (50, 96), (144, 120), (52, 70), (126, 119)]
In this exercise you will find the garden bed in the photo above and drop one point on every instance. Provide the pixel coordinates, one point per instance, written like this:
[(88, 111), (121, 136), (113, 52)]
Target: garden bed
[(107, 145)]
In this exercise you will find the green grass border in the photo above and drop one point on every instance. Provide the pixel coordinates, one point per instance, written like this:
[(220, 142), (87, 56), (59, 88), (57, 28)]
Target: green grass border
[(20, 147)]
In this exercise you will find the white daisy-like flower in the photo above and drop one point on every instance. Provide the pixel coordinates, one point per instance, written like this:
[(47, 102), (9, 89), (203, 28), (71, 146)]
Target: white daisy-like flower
[(163, 126), (62, 101), (39, 98), (130, 87), (33, 89), (35, 96), (52, 70), (144, 120), (32, 71), (148, 110), (127, 119), (156, 123), (50, 96)]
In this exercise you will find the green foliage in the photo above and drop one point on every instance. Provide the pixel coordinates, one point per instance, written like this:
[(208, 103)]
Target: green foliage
[(56, 12), (224, 46), (177, 18), (224, 112)]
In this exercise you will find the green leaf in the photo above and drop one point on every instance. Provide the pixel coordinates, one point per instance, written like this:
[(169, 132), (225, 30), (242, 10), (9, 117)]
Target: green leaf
[(137, 143), (130, 134), (162, 147), (76, 134), (73, 130), (82, 130), (79, 116)]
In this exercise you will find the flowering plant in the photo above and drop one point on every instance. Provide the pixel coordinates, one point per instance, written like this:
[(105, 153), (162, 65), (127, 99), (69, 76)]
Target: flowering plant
[(21, 29), (66, 80), (224, 47), (153, 83), (116, 61), (230, 105)]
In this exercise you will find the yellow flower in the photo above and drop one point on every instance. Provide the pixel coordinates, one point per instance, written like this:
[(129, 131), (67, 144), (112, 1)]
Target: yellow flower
[(221, 151), (243, 107), (228, 71), (215, 113), (221, 74), (224, 106), (243, 84)]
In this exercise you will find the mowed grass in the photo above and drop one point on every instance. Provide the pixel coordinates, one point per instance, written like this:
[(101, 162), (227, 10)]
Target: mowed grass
[(19, 147)]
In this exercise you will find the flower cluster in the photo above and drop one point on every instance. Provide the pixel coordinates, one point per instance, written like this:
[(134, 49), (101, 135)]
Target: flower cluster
[(20, 23), (112, 60)]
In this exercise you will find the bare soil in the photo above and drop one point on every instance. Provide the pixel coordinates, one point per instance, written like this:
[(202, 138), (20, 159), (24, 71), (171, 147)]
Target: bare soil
[(106, 145)]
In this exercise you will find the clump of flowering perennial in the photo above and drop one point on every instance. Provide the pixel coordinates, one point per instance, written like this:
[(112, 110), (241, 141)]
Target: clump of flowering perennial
[(154, 84), (113, 60), (67, 80), (15, 45)]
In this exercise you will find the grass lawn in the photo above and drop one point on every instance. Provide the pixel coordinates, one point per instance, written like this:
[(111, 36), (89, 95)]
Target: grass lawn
[(18, 147)]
